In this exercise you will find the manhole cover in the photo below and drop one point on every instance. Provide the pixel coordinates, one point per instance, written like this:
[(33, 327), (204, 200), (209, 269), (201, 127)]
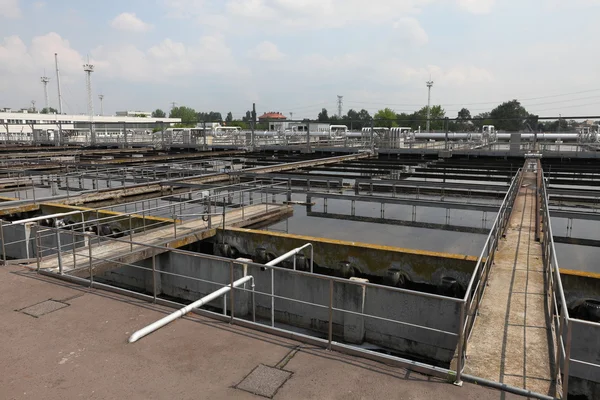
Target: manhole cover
[(264, 381), (43, 308)]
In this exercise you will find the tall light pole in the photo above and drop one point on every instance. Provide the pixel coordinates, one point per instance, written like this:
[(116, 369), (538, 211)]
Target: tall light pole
[(429, 85), (58, 84), (89, 68), (45, 81)]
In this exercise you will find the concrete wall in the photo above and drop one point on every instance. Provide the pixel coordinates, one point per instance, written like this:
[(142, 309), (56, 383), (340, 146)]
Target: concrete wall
[(352, 296), (25, 246), (585, 338), (421, 266)]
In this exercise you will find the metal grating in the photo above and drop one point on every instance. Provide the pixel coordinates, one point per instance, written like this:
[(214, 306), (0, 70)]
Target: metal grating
[(264, 381), (43, 308)]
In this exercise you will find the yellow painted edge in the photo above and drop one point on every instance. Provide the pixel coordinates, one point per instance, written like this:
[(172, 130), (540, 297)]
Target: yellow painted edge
[(580, 273), (115, 213), (358, 244), (7, 198)]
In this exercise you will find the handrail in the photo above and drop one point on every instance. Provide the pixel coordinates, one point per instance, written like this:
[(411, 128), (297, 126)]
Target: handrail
[(137, 335)]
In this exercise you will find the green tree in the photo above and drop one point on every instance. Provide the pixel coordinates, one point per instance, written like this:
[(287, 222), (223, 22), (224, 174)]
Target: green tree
[(49, 110), (211, 116), (463, 120), (188, 115), (436, 118), (323, 116), (386, 118), (482, 119), (229, 117), (158, 113), (509, 116)]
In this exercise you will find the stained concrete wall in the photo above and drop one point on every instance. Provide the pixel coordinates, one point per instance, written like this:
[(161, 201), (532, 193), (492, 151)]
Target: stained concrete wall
[(421, 266), (20, 242), (585, 338), (420, 344)]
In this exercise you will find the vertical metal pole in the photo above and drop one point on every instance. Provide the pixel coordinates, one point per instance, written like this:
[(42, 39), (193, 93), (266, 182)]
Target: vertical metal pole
[(74, 255), (90, 257), (3, 244), (461, 339), (58, 246), (130, 234), (565, 382), (231, 294), (272, 297), (253, 302), (174, 225), (154, 277), (330, 333), (38, 247)]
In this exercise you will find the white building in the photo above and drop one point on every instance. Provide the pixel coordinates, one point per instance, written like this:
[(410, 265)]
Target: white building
[(23, 123)]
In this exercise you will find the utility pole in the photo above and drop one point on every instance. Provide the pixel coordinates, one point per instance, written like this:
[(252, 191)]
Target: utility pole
[(173, 104), (101, 97), (89, 68), (291, 115), (58, 83), (33, 105), (45, 81), (429, 85), (340, 103)]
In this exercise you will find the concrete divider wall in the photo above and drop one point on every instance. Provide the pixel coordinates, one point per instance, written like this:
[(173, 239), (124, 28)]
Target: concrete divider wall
[(25, 246), (585, 346), (421, 266), (380, 301), (585, 338)]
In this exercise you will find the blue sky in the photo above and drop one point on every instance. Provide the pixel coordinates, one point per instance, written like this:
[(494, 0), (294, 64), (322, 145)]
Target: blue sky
[(297, 55)]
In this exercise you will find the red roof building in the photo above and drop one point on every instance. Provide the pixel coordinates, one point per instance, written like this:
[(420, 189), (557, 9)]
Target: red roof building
[(271, 116)]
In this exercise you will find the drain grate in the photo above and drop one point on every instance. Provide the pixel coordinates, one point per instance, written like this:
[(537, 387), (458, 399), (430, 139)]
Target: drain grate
[(43, 308), (264, 381)]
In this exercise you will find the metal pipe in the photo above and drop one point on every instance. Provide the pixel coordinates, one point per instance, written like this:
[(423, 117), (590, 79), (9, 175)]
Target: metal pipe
[(35, 219), (3, 243), (181, 312), (506, 388), (287, 255)]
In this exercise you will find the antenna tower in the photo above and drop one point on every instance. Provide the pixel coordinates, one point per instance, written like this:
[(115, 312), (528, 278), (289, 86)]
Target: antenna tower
[(45, 81), (340, 103), (429, 85)]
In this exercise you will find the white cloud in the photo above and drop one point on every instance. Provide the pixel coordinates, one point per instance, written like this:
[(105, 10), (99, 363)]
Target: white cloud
[(209, 56), (39, 5), (267, 51), (477, 6), (409, 29), (10, 9), (129, 22)]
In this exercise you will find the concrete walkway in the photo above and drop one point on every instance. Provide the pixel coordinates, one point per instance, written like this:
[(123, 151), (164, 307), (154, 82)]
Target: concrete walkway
[(80, 351), (510, 339), (187, 232)]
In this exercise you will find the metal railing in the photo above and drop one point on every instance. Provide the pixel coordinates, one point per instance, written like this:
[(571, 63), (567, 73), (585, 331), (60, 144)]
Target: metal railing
[(478, 282), (563, 324), (90, 259)]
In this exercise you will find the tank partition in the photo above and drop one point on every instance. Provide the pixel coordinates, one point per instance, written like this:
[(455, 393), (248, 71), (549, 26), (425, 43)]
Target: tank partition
[(582, 295), (574, 309), (393, 264), (411, 324)]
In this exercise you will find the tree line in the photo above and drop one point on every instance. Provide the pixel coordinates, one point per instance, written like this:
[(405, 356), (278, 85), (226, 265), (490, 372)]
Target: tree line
[(509, 116)]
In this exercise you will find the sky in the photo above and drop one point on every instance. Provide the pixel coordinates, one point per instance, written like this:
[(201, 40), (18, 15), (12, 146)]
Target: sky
[(297, 56)]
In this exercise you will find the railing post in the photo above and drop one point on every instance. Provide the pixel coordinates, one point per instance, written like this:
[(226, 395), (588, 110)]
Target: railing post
[(38, 247), (91, 260), (2, 239), (154, 278), (272, 297), (461, 339), (58, 246), (174, 226), (130, 234), (565, 381), (231, 294), (330, 332)]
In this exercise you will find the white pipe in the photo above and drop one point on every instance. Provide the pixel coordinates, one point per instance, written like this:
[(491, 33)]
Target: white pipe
[(34, 219), (183, 311), (287, 255)]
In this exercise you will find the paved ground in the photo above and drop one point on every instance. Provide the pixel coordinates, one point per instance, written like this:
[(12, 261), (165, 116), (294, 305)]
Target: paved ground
[(510, 338), (81, 351)]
